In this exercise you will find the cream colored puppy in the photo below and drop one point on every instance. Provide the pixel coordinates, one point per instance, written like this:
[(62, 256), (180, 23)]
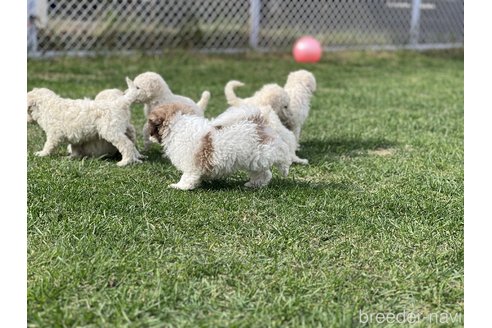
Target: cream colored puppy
[(98, 147), (154, 91), (77, 121), (300, 87), (271, 99)]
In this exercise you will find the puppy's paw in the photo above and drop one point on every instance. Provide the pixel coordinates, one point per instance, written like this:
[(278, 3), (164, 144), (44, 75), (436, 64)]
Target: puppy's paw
[(140, 156), (74, 156), (180, 186), (301, 161), (284, 170), (41, 153), (249, 184), (255, 184), (126, 162)]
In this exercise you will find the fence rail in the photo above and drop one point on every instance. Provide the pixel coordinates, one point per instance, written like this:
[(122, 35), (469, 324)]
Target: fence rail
[(108, 26)]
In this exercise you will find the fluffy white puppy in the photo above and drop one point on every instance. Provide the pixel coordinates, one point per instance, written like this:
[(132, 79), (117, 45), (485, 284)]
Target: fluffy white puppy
[(154, 91), (80, 120), (202, 151), (269, 95), (271, 99), (99, 147), (300, 86)]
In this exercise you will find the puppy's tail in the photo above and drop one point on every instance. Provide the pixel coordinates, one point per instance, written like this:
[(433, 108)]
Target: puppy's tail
[(203, 102), (230, 95)]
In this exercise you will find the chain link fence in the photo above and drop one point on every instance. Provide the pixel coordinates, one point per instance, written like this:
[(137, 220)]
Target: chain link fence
[(113, 26)]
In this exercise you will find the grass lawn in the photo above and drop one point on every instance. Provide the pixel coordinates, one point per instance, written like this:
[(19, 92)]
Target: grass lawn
[(373, 224)]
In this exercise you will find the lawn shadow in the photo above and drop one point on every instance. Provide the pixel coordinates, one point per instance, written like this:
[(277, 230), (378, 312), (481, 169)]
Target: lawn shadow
[(291, 184), (322, 150), (277, 184), (315, 150), (227, 184), (154, 154)]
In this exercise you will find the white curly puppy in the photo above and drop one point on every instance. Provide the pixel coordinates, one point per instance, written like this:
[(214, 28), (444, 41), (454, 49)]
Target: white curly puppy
[(79, 120), (99, 147), (271, 99), (300, 87), (202, 151), (154, 91), (269, 95)]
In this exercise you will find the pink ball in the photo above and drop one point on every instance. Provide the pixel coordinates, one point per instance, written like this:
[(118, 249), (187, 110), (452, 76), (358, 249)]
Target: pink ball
[(307, 50)]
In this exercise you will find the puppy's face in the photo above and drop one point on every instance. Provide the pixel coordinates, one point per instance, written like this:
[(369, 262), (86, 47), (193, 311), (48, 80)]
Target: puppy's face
[(34, 98), (150, 86), (280, 102), (31, 103), (160, 118)]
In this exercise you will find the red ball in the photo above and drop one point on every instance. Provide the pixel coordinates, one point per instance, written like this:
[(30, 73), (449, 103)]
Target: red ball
[(307, 50)]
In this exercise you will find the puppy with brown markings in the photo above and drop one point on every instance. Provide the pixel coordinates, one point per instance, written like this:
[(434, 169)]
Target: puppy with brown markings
[(203, 151)]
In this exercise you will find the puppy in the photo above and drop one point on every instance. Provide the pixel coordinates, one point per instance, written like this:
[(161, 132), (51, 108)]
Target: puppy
[(300, 87), (98, 147), (81, 120), (154, 91), (271, 99), (202, 151)]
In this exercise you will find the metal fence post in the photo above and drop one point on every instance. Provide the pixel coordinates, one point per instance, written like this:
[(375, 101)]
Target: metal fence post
[(415, 23), (254, 30)]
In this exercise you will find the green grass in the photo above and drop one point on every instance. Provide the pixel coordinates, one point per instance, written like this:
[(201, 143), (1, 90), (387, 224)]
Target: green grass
[(373, 224)]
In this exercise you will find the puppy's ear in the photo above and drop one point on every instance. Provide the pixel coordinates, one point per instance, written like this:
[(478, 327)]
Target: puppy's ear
[(30, 106), (130, 83), (155, 123), (155, 119), (31, 99)]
